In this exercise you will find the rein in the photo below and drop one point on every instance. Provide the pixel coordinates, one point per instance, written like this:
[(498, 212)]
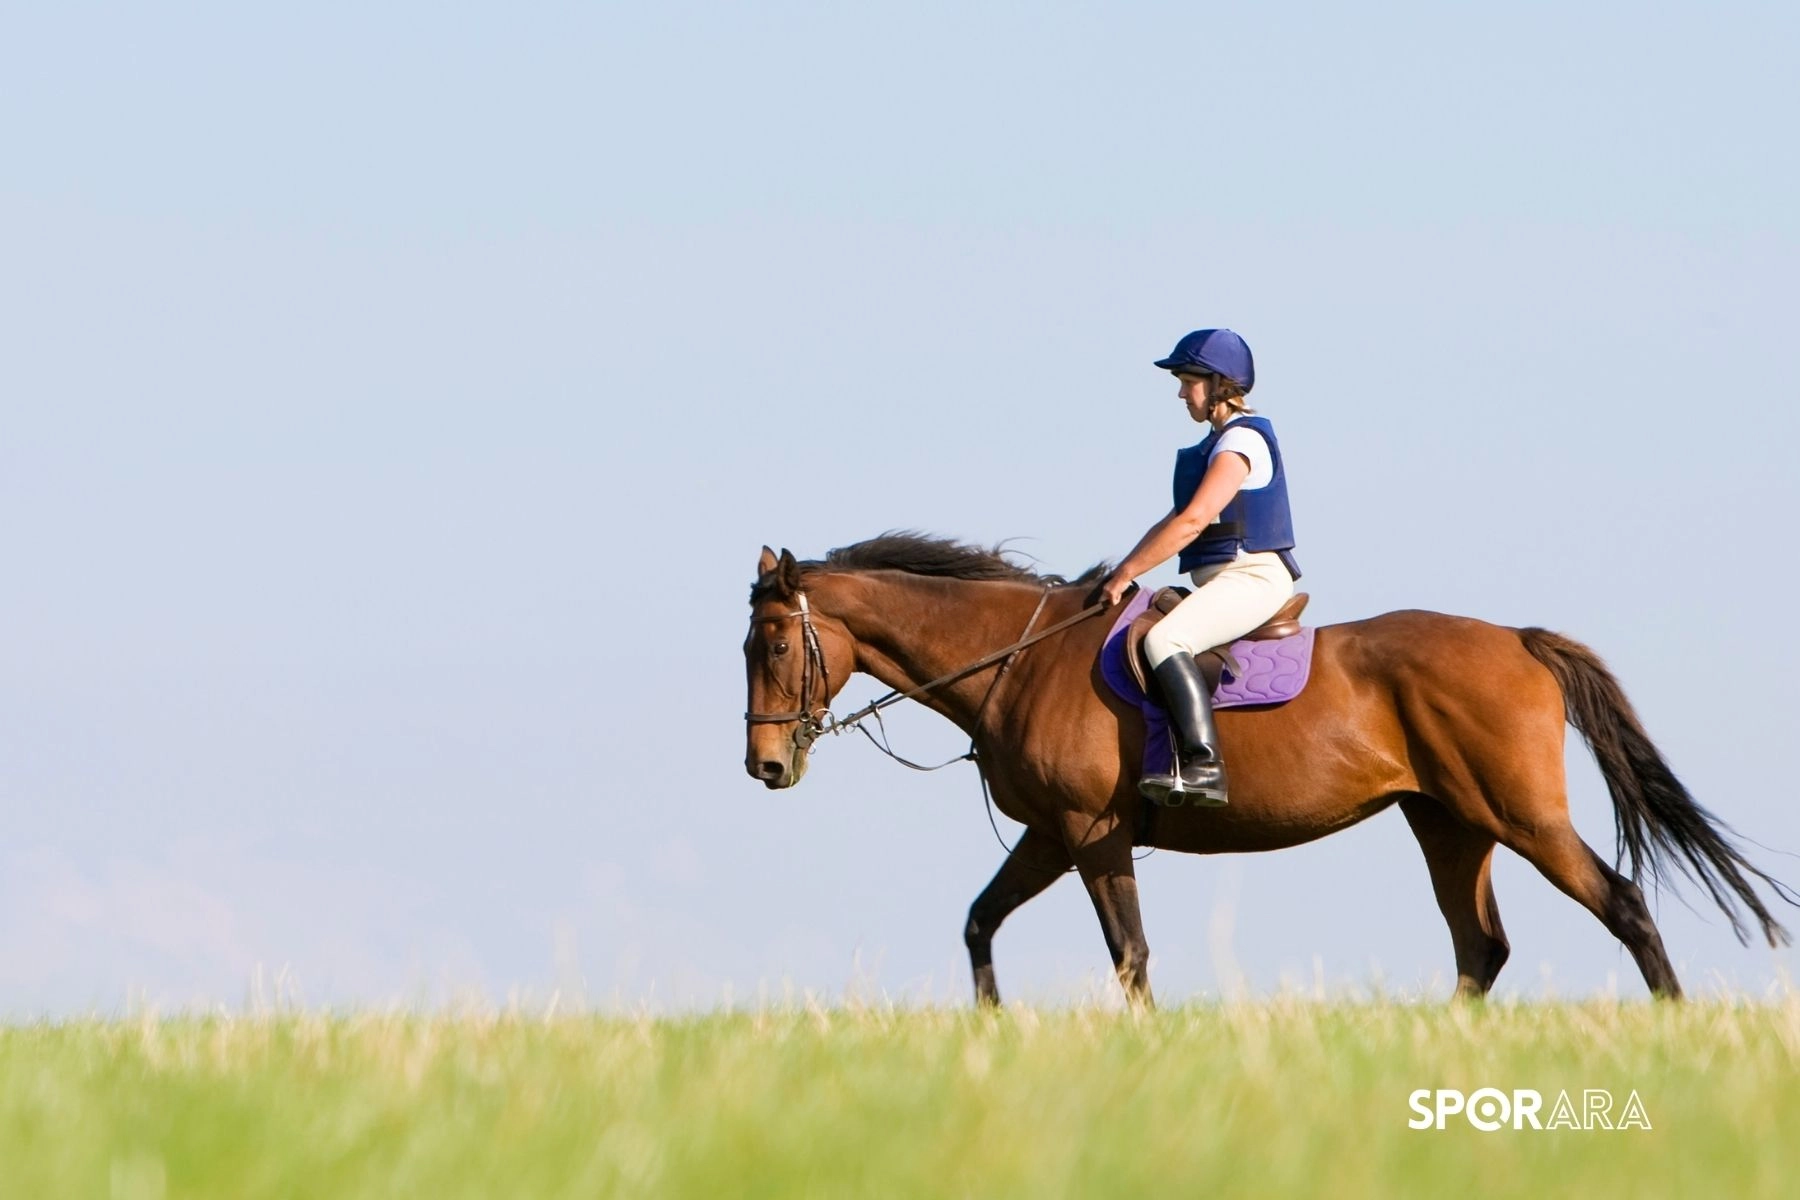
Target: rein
[(813, 725)]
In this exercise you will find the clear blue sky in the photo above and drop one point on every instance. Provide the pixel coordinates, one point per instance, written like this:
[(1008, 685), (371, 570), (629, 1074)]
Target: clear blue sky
[(394, 403)]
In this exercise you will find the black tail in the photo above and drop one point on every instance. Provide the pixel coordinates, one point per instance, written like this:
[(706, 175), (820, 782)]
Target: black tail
[(1657, 820)]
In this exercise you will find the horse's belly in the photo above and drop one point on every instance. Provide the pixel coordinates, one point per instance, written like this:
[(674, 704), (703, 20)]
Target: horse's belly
[(1249, 823)]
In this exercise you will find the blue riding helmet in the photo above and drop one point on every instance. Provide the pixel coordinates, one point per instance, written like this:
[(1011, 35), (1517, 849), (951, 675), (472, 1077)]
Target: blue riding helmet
[(1213, 352)]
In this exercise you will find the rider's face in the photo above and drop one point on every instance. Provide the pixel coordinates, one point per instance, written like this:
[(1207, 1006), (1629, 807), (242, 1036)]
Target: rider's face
[(1193, 393)]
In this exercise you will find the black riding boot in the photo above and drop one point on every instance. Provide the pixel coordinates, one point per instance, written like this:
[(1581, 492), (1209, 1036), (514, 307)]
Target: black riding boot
[(1199, 776)]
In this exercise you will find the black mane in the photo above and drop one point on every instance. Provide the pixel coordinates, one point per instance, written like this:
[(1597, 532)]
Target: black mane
[(946, 558)]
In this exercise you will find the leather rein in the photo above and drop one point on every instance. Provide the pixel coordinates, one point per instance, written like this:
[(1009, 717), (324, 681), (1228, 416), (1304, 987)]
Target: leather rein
[(816, 721)]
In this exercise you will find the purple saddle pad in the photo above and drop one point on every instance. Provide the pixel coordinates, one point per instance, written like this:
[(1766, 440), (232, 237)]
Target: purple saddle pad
[(1273, 672)]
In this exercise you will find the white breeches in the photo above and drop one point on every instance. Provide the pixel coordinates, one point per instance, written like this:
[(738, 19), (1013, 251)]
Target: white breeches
[(1230, 599)]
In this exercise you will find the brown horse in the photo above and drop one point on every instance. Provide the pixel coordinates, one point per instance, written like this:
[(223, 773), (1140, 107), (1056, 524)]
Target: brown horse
[(1457, 721)]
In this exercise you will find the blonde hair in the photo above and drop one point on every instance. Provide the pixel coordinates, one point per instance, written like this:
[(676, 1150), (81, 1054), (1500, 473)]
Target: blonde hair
[(1228, 392)]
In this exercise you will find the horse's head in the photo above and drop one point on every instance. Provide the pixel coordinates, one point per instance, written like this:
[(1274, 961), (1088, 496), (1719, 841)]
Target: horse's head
[(796, 659)]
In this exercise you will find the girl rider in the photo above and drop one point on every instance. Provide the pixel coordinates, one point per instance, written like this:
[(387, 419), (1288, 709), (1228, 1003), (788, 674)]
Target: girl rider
[(1232, 528)]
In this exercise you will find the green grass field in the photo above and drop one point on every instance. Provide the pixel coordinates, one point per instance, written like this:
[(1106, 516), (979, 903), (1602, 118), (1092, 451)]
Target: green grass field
[(1272, 1098)]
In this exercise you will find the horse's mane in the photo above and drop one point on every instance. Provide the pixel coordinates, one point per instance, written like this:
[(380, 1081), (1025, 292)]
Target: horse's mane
[(946, 558)]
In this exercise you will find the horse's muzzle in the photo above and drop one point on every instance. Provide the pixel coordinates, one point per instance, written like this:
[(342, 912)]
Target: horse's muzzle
[(772, 772), (776, 773)]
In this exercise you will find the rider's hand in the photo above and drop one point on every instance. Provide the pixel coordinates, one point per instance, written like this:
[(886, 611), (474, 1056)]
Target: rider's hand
[(1110, 591)]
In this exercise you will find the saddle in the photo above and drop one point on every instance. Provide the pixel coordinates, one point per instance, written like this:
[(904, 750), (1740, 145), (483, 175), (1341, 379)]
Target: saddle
[(1285, 623)]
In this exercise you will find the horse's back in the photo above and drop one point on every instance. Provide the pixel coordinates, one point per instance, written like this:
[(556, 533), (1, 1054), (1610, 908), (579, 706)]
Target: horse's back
[(1450, 697), (1414, 648)]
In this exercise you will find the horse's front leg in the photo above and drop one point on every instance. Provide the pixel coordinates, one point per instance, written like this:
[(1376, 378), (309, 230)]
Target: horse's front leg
[(1036, 862), (1102, 853)]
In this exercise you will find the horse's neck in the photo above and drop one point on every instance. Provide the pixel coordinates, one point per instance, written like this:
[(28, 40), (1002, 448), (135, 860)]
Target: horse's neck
[(912, 629)]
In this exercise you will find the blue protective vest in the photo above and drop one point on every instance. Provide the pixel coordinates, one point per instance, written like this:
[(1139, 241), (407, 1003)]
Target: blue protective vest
[(1254, 521)]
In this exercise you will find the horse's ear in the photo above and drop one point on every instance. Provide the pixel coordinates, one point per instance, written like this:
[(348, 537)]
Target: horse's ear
[(789, 572), (766, 563)]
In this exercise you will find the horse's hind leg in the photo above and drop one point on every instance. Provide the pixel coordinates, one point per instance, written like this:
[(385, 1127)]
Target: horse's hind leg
[(1571, 864), (1037, 861), (1460, 859)]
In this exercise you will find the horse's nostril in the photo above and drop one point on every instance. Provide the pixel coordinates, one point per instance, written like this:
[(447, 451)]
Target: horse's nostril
[(770, 771)]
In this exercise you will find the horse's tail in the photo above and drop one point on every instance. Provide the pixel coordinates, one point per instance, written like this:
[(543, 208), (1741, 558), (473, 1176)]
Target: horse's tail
[(1657, 820)]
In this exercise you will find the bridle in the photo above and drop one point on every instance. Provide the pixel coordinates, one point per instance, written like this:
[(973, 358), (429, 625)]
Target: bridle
[(816, 722), (811, 725)]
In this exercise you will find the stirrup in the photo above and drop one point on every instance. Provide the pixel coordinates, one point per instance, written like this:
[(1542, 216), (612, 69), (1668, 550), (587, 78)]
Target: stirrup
[(1157, 789), (1170, 790), (1201, 784)]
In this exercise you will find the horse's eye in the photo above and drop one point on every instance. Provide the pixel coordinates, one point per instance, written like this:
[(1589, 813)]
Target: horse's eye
[(778, 649)]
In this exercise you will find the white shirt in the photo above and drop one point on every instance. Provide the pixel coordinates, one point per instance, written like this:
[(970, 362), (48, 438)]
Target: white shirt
[(1245, 440)]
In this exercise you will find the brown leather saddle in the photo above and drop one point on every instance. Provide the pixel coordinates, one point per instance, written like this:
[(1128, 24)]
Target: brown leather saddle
[(1285, 623)]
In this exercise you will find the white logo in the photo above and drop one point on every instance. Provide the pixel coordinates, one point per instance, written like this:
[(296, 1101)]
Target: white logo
[(1488, 1109)]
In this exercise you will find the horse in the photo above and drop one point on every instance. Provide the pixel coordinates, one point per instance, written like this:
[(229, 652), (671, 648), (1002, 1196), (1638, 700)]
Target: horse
[(1457, 722)]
